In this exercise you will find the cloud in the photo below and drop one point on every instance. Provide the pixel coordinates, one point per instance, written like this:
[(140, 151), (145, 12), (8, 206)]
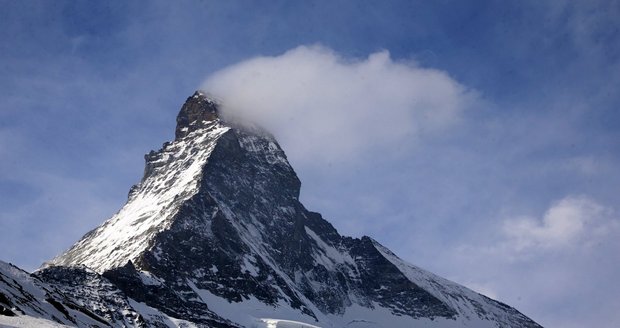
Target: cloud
[(319, 103), (572, 220), (549, 266)]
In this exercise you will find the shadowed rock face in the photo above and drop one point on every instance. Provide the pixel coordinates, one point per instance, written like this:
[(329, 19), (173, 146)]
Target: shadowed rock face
[(195, 114), (217, 220)]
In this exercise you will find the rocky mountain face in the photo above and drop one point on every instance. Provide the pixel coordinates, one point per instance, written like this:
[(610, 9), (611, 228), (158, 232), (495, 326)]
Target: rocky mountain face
[(214, 235)]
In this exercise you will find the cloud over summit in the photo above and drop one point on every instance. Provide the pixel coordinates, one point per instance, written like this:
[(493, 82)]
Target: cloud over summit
[(318, 102)]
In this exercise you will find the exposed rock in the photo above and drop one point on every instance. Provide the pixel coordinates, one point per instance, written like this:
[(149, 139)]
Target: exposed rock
[(215, 235)]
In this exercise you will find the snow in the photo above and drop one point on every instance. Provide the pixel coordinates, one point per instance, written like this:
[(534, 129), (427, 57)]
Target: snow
[(175, 178), (149, 279), (249, 266), (175, 174), (31, 296), (250, 311), (28, 321), (465, 301), (278, 323), (152, 314), (330, 256), (357, 316), (272, 152)]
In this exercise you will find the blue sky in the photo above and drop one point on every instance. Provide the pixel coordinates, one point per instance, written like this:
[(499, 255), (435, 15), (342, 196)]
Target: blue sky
[(515, 195)]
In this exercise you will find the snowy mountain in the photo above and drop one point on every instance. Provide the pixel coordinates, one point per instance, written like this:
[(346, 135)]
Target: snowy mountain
[(24, 298), (214, 235)]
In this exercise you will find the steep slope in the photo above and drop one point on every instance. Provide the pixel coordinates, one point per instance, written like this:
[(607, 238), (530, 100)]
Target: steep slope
[(24, 295), (75, 297), (215, 234), (171, 176)]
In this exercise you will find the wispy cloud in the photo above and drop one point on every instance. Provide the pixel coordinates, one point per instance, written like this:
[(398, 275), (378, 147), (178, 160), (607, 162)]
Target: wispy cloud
[(562, 256), (570, 222)]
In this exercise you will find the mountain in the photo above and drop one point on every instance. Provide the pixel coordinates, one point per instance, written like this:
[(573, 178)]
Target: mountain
[(214, 235), (24, 295)]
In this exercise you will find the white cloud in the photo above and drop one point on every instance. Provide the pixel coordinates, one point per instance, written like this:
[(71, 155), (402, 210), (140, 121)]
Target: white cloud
[(566, 255), (571, 221), (320, 104)]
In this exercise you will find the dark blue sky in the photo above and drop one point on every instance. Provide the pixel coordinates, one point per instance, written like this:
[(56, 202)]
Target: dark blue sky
[(518, 199)]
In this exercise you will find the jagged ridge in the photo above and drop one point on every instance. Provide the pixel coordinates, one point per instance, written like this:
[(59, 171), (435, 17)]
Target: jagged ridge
[(215, 234)]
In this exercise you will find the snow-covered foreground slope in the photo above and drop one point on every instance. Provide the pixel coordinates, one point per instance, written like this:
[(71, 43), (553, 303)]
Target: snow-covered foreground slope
[(28, 321), (215, 236), (23, 297)]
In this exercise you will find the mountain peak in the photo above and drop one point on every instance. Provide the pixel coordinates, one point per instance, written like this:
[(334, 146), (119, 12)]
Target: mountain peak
[(197, 112), (215, 236)]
